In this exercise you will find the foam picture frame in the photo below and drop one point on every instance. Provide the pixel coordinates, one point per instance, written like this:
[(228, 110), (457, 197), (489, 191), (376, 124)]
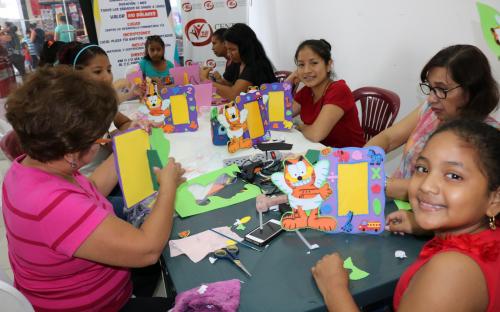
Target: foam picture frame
[(279, 104), (134, 74), (153, 107), (132, 151), (257, 119), (203, 94), (181, 113), (357, 178), (183, 75)]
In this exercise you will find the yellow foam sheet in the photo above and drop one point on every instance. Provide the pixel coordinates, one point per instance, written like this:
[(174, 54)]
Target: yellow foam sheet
[(254, 120), (353, 188), (134, 166), (180, 110), (276, 106)]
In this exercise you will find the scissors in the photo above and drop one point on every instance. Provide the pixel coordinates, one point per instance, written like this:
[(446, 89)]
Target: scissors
[(231, 253)]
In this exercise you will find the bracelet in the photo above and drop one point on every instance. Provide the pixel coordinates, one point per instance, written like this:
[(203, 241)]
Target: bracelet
[(386, 182)]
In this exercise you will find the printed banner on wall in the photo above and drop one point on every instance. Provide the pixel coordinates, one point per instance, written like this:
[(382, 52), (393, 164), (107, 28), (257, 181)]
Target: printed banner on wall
[(123, 25), (200, 19)]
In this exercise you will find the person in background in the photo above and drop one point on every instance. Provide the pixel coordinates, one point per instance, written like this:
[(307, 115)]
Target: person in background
[(220, 50), (64, 32), (455, 194), (7, 77), (153, 64), (68, 250), (27, 57), (33, 55), (37, 37), (254, 67), (326, 106), (10, 40), (458, 83)]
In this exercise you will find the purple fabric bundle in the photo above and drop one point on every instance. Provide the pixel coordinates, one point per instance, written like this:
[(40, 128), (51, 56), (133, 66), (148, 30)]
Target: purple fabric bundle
[(214, 297)]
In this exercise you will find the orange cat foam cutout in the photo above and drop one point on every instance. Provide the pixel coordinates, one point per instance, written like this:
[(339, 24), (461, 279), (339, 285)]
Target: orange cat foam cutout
[(235, 121), (306, 188), (155, 108)]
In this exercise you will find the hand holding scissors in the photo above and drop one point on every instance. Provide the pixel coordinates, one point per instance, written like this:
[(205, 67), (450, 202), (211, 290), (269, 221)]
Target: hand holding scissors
[(231, 253)]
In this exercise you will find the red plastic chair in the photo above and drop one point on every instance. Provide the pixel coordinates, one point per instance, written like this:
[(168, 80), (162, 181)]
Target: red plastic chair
[(379, 109), (11, 146)]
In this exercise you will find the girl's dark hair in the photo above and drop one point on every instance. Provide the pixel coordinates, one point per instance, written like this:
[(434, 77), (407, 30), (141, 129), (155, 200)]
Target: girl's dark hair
[(50, 51), (71, 50), (468, 67), (149, 40), (59, 110), (219, 34), (249, 47), (321, 47), (485, 139)]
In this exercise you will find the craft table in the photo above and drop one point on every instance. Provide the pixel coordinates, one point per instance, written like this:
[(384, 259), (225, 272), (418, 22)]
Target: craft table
[(281, 277)]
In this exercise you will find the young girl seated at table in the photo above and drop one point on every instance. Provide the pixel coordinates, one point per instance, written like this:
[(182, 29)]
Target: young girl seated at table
[(153, 64), (250, 65), (326, 107), (93, 60), (454, 193)]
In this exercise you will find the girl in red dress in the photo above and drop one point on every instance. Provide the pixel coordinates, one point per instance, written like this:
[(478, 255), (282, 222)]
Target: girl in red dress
[(326, 106), (455, 194)]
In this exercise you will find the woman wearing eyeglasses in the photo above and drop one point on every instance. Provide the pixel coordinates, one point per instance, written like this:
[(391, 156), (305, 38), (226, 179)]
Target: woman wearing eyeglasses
[(458, 84)]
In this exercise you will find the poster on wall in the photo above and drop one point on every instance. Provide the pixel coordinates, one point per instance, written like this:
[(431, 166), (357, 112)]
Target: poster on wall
[(201, 18), (122, 27), (47, 18), (490, 24)]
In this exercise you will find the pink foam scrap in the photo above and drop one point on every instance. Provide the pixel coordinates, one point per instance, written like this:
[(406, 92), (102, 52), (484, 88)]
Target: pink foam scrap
[(203, 94)]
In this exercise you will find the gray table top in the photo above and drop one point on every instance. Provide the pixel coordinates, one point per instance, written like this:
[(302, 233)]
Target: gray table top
[(281, 276)]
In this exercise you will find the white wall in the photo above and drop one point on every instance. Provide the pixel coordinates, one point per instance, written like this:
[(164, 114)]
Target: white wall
[(382, 43)]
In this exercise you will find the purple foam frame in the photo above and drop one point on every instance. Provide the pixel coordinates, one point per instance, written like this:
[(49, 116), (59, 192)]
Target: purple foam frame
[(373, 222), (189, 92), (255, 96), (117, 166), (286, 88)]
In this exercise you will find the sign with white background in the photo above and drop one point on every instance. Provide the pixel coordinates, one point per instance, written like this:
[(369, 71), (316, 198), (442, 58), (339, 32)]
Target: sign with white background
[(200, 19), (123, 25)]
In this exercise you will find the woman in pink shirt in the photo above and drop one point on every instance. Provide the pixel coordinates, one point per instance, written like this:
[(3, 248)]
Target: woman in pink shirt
[(67, 249)]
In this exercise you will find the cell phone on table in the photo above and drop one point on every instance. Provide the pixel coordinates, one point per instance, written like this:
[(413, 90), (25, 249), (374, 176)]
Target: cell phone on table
[(270, 230)]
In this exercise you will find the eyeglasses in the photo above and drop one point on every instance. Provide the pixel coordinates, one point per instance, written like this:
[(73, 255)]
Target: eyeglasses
[(102, 141), (439, 92)]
